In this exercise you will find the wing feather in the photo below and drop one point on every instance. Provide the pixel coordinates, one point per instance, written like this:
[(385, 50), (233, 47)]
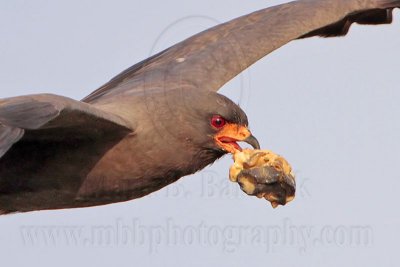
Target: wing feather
[(54, 118), (211, 58), (48, 145), (8, 137)]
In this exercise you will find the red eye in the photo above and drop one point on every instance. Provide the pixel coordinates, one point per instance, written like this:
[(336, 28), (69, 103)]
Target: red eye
[(217, 121)]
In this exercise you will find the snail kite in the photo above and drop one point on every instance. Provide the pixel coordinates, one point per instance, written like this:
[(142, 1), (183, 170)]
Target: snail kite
[(157, 121)]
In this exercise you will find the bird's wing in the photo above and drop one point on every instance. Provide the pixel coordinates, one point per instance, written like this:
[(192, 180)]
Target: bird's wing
[(53, 118), (211, 58)]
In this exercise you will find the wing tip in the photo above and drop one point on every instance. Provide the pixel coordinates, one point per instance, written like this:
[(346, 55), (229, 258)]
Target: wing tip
[(383, 14)]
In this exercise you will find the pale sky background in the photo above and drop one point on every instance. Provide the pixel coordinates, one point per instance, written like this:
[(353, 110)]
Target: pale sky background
[(330, 106)]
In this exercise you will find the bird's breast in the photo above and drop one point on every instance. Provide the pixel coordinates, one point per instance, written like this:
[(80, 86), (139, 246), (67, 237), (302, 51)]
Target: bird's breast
[(140, 164)]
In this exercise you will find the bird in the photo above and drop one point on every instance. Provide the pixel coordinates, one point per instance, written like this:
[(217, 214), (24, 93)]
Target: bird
[(157, 121)]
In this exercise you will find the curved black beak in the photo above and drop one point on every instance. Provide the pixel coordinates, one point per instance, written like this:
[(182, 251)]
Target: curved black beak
[(251, 140)]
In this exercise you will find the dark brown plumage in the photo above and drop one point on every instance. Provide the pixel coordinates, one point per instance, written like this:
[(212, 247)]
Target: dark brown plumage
[(157, 121)]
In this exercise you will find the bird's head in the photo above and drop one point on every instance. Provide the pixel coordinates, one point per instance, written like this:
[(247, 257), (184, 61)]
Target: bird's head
[(206, 124), (228, 132), (217, 122)]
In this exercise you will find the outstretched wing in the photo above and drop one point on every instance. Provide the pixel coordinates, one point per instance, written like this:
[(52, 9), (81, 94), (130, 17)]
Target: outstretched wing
[(53, 118), (211, 58), (48, 145)]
